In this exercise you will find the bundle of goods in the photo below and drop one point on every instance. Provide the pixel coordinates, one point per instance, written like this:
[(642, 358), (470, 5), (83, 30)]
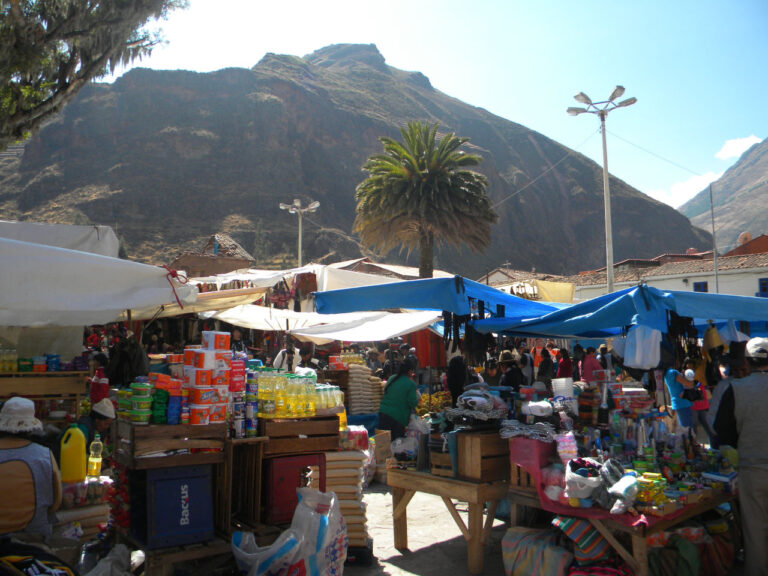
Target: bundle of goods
[(207, 379), (435, 402), (344, 475), (365, 390), (81, 523), (11, 362)]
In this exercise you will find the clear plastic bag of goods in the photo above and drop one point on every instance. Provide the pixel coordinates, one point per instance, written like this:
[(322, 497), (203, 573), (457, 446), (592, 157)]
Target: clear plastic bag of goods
[(578, 486), (315, 544)]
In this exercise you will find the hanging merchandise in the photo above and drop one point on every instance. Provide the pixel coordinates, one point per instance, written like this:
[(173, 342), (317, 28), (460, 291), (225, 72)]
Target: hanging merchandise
[(642, 349)]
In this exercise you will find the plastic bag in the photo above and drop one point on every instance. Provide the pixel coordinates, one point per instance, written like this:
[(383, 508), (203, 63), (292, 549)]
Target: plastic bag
[(314, 545), (417, 426), (577, 486), (406, 448)]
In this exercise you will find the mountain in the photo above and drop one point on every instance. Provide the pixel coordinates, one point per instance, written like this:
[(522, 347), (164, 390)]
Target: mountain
[(740, 198), (170, 157)]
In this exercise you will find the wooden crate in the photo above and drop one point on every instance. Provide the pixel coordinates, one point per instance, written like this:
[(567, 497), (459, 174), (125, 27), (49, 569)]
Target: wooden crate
[(519, 479), (133, 442), (238, 486), (440, 464), (300, 436), (483, 456)]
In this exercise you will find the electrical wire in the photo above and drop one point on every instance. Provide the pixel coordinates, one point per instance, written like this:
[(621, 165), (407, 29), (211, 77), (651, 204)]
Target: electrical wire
[(571, 152)]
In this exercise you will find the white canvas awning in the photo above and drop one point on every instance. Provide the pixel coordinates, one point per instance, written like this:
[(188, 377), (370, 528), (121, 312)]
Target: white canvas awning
[(206, 301), (264, 318), (94, 239), (380, 326), (48, 286)]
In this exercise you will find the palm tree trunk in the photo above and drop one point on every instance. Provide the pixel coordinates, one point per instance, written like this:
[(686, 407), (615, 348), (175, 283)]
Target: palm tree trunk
[(426, 254)]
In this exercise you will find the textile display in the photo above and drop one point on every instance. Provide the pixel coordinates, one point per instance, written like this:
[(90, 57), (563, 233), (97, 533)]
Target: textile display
[(527, 551)]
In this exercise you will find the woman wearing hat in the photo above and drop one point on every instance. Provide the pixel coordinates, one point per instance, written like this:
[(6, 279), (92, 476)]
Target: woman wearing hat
[(29, 476), (98, 421), (399, 400), (511, 373)]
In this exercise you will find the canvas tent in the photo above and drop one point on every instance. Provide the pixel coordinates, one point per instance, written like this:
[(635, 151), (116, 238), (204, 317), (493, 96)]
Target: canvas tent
[(94, 239), (457, 295), (48, 286), (642, 305)]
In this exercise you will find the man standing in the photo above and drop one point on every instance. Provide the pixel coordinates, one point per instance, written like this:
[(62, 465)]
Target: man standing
[(739, 410), (286, 360)]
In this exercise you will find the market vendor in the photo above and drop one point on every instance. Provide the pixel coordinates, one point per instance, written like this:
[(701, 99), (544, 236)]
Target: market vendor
[(738, 413), (305, 358), (399, 400), (98, 420), (29, 476), (676, 385), (491, 373)]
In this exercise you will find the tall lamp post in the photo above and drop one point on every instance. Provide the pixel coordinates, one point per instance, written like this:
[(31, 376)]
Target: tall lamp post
[(296, 208), (601, 110)]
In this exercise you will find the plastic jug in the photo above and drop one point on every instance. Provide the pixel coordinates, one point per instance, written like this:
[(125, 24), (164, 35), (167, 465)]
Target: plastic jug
[(73, 455), (94, 460)]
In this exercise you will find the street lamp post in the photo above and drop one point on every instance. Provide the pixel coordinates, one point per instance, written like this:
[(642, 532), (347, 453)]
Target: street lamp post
[(601, 110), (296, 208)]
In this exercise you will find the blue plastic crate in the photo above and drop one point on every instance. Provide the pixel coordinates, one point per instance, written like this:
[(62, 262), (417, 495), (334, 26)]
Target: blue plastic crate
[(172, 506)]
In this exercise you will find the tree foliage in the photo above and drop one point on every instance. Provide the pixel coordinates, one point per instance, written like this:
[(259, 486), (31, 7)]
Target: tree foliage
[(420, 194), (49, 49)]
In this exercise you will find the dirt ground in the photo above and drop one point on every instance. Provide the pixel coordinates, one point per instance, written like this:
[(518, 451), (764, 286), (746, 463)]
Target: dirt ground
[(435, 544)]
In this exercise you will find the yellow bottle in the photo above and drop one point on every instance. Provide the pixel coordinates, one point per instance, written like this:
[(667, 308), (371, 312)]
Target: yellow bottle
[(73, 455), (94, 460)]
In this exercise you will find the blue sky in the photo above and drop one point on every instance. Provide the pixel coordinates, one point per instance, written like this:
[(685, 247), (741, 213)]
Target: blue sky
[(697, 68)]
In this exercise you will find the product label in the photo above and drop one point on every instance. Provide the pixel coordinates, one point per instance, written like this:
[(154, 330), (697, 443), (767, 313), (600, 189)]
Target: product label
[(184, 520)]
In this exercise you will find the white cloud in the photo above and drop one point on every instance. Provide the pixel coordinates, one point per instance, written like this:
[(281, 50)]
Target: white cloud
[(680, 192), (736, 147)]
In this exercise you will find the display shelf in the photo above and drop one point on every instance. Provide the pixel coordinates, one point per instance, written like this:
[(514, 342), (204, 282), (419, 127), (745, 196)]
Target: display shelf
[(42, 384)]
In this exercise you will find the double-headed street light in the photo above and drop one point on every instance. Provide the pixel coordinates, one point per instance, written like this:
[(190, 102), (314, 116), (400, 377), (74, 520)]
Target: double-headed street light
[(601, 109), (296, 208)]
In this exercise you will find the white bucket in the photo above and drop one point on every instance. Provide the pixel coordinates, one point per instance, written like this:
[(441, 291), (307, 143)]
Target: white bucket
[(563, 387)]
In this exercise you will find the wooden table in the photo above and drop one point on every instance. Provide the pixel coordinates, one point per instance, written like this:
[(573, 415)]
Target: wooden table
[(406, 483), (637, 558)]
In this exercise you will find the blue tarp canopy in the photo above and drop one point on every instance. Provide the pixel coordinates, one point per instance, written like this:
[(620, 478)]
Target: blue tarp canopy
[(457, 295), (608, 315)]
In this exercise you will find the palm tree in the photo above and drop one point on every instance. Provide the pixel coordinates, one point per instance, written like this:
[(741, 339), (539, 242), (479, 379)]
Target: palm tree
[(419, 194)]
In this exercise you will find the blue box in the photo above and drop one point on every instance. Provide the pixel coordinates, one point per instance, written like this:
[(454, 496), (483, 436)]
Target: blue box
[(172, 506)]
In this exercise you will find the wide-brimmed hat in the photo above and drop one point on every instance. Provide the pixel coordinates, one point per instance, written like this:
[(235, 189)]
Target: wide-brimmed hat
[(104, 407), (18, 415), (757, 349), (507, 357)]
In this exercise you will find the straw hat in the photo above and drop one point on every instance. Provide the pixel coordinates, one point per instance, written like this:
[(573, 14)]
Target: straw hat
[(105, 408), (18, 415), (507, 357)]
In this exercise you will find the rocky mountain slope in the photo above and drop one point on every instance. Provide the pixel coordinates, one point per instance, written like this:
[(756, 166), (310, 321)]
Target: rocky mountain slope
[(740, 198), (170, 157)]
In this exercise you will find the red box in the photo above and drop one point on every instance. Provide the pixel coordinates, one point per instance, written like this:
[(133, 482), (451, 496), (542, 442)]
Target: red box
[(530, 454), (283, 477)]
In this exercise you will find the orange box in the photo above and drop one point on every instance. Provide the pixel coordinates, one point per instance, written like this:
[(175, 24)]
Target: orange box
[(220, 378), (215, 340), (223, 359), (218, 412), (197, 376), (199, 415), (205, 359), (203, 395), (189, 356)]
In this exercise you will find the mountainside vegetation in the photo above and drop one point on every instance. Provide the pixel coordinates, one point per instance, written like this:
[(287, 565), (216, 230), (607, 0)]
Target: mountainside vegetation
[(740, 199), (170, 157)]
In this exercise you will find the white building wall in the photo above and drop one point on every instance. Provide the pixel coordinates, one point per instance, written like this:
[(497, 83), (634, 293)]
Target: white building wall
[(736, 282)]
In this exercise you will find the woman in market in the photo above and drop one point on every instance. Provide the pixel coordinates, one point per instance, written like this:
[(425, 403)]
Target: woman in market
[(589, 366), (29, 476), (676, 385), (564, 366), (546, 369), (511, 373), (399, 400), (98, 421), (491, 373)]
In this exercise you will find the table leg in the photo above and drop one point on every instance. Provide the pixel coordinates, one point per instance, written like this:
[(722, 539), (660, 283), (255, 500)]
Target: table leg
[(640, 552), (400, 499), (475, 542)]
